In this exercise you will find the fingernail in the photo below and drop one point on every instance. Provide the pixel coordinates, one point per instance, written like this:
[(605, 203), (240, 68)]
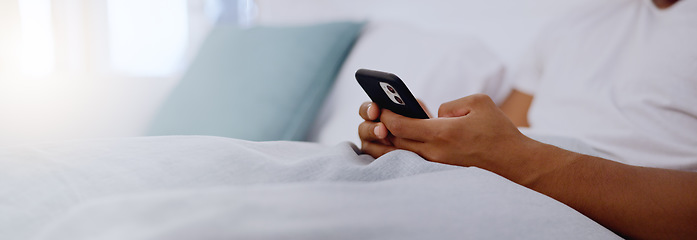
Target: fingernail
[(370, 106), (378, 132)]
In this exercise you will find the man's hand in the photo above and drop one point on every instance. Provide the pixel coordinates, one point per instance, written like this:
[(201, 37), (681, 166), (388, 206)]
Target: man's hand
[(470, 131)]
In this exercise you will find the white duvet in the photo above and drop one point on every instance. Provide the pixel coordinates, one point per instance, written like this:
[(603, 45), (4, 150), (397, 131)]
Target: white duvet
[(217, 188)]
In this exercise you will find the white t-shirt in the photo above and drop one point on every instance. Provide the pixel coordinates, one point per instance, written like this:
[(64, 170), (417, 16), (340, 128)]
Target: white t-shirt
[(620, 75)]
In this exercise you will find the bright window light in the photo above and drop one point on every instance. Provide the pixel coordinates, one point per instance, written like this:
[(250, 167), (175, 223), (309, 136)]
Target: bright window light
[(246, 10), (37, 53), (213, 9), (239, 12), (147, 38)]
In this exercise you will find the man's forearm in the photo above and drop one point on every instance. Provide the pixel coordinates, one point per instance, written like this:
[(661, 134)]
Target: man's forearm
[(632, 201), (636, 202)]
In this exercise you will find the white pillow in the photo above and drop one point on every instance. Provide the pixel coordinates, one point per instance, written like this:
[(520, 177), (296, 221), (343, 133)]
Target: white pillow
[(436, 67)]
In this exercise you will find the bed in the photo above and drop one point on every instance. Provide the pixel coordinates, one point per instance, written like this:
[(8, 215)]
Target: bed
[(195, 185), (204, 187)]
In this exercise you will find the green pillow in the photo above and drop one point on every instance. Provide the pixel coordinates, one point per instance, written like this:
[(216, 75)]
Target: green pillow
[(261, 83)]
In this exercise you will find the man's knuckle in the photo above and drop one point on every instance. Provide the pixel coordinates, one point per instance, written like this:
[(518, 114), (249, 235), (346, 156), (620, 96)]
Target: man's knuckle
[(481, 98)]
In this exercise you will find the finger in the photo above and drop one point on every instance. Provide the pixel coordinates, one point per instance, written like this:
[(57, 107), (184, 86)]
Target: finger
[(408, 144), (369, 111), (373, 131), (404, 127), (455, 108), (463, 106), (426, 150), (375, 149)]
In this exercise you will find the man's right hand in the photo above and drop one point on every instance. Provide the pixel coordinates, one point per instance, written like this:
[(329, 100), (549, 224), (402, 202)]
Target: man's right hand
[(373, 133)]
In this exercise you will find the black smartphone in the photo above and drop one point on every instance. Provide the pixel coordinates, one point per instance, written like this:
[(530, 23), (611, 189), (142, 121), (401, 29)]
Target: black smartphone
[(389, 92)]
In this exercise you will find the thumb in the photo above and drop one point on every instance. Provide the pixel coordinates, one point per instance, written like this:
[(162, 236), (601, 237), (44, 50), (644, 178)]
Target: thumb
[(464, 106), (455, 108)]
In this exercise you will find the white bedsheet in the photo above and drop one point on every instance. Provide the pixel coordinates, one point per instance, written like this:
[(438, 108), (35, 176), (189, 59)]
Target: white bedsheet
[(217, 188)]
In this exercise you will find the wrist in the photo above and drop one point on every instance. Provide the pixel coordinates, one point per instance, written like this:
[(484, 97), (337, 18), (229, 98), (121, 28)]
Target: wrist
[(531, 161)]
